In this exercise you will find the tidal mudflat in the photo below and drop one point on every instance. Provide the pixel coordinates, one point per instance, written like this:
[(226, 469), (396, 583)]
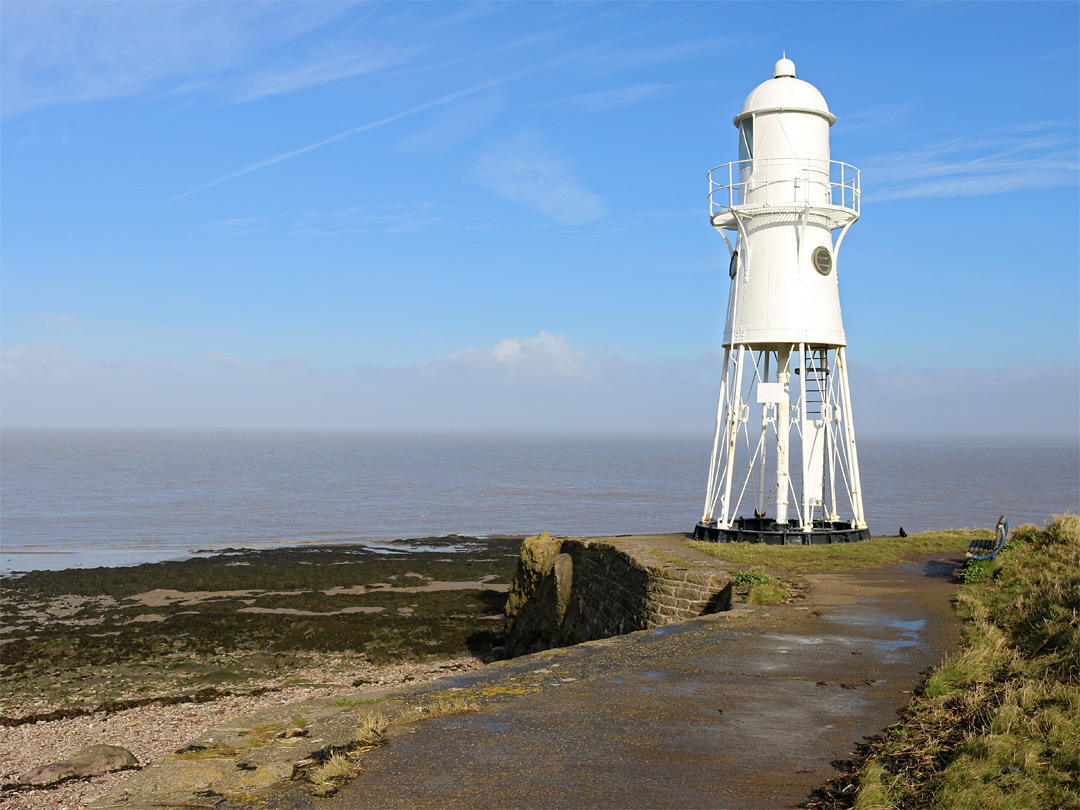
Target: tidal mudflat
[(83, 651), (88, 640)]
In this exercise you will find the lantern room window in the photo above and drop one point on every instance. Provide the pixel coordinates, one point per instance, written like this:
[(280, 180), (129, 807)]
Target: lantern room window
[(746, 139)]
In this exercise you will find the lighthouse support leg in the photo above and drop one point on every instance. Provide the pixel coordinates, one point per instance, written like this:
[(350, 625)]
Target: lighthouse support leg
[(766, 418), (734, 418), (783, 427), (710, 491), (804, 432), (852, 454), (830, 422)]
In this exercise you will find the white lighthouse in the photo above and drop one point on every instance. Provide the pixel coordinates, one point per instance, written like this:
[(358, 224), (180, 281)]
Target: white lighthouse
[(784, 467)]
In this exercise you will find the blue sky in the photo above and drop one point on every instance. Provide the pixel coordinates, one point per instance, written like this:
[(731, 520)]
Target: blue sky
[(492, 216)]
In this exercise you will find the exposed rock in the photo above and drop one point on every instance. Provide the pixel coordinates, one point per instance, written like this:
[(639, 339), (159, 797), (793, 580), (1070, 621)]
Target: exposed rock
[(98, 759), (563, 570), (91, 761), (47, 774), (533, 599), (180, 782), (289, 733)]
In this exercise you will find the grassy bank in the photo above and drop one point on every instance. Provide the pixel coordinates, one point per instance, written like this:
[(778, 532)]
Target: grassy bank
[(880, 551), (774, 576), (997, 726)]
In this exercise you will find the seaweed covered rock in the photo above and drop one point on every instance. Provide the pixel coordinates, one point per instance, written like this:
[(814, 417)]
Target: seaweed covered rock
[(577, 589), (535, 591)]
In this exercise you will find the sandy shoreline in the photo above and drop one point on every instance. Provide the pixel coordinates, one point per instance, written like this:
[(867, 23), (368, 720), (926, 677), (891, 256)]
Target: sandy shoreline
[(148, 657)]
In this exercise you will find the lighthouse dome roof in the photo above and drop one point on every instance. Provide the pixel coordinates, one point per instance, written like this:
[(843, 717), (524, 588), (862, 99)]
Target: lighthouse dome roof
[(784, 93)]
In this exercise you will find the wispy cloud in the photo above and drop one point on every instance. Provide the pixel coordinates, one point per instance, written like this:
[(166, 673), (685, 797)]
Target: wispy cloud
[(615, 56), (525, 170), (477, 10), (615, 98), (388, 219), (427, 105), (51, 321), (1012, 160), (323, 69), (876, 120), (58, 53), (619, 58), (455, 125)]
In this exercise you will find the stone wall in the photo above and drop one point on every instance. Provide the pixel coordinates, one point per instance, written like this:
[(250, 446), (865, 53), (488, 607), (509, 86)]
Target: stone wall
[(569, 590)]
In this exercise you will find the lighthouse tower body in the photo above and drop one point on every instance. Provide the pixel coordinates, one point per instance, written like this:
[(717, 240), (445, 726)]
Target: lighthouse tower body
[(784, 465)]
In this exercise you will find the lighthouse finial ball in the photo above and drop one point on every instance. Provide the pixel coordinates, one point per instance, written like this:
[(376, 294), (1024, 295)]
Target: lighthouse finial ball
[(785, 69)]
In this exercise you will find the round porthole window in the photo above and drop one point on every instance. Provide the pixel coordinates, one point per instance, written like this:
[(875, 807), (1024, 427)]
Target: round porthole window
[(822, 260), (733, 268)]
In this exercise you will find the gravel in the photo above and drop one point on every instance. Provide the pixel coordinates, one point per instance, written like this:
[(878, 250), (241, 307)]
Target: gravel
[(150, 732)]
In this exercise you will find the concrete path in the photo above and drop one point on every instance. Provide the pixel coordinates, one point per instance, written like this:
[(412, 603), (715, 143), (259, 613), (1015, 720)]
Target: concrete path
[(744, 709)]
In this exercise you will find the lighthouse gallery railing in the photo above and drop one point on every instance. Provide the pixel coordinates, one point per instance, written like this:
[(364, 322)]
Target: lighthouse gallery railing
[(779, 182)]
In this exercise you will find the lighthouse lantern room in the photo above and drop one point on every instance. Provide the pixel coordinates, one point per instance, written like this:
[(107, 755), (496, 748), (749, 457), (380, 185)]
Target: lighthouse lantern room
[(784, 467)]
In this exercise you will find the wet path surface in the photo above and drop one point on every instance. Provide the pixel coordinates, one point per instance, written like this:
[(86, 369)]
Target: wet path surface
[(743, 709)]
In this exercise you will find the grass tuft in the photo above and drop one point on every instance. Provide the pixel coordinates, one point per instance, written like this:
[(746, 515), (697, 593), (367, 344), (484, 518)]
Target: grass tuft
[(760, 588), (974, 570), (439, 705), (372, 725), (329, 776), (997, 725), (344, 764), (875, 789)]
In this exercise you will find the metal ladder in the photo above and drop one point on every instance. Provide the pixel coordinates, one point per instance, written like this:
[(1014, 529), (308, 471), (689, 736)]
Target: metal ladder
[(817, 372)]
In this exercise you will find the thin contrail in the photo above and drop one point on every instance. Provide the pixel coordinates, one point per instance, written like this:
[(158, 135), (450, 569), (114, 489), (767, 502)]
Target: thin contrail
[(354, 131), (405, 113)]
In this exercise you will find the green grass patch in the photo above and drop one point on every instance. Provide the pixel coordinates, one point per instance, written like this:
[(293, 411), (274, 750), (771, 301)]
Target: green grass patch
[(759, 588), (997, 725), (875, 553), (974, 570), (744, 580)]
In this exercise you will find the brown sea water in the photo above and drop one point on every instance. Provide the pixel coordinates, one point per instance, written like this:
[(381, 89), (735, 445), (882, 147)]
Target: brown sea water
[(77, 498)]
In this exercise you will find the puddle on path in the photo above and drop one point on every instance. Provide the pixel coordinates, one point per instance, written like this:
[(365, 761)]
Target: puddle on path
[(911, 628)]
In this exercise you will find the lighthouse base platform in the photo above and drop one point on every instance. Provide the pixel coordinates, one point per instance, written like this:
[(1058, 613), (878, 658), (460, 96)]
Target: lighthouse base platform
[(768, 531)]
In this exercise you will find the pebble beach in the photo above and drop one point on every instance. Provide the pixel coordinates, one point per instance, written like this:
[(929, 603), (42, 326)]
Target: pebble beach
[(111, 656)]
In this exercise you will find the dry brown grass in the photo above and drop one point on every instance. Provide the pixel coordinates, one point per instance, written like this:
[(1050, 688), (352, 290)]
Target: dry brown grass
[(343, 764), (330, 775), (438, 705), (998, 724)]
